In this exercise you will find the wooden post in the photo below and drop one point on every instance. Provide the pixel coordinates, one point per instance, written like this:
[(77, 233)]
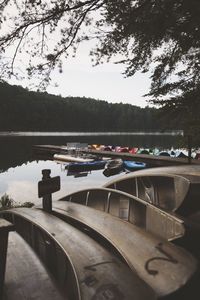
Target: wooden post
[(189, 149), (47, 199), (5, 227), (46, 187)]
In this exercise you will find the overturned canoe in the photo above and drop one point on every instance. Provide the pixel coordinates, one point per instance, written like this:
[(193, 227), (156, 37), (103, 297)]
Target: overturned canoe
[(165, 267), (131, 209), (83, 268), (175, 189)]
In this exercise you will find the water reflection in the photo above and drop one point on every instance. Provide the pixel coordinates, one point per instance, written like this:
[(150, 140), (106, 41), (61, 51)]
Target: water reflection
[(20, 172), (21, 183)]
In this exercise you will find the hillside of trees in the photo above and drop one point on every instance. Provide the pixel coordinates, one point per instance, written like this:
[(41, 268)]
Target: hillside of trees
[(22, 110)]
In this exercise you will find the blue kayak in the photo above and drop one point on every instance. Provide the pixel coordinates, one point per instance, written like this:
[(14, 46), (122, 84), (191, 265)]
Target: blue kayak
[(130, 165)]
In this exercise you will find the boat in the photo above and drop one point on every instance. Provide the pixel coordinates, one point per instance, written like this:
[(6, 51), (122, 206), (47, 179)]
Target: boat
[(181, 153), (102, 241), (103, 211), (131, 166), (113, 167), (174, 189), (130, 209), (164, 153), (133, 150), (116, 166), (122, 149), (80, 267), (86, 166), (143, 151), (71, 158), (77, 174)]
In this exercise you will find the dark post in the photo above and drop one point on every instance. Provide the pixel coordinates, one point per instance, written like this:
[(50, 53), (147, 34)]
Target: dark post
[(47, 199), (46, 187), (5, 227), (189, 149)]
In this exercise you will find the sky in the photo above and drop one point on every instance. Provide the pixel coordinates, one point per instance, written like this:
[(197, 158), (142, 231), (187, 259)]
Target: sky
[(80, 78), (102, 82)]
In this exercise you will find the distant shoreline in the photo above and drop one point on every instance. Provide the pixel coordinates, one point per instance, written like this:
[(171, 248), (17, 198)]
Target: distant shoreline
[(42, 133)]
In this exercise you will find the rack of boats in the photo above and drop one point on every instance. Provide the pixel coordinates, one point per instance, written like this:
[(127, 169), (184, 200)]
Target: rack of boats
[(178, 153), (114, 160), (137, 237), (109, 166), (77, 162), (77, 149)]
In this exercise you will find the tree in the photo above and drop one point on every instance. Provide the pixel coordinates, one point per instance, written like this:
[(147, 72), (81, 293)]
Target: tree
[(157, 36)]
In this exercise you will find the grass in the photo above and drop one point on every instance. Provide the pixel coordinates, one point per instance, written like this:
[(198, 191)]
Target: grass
[(6, 202)]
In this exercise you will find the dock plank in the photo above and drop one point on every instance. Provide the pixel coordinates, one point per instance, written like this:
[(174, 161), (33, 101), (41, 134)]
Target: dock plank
[(152, 160)]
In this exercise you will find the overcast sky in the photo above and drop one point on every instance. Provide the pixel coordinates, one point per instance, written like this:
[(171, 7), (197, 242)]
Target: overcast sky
[(103, 82), (80, 78)]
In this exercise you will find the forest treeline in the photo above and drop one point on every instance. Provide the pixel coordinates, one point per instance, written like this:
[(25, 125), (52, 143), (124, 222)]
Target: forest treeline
[(23, 110)]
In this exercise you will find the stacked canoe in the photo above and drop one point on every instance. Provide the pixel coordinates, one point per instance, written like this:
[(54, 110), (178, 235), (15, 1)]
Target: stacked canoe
[(134, 238)]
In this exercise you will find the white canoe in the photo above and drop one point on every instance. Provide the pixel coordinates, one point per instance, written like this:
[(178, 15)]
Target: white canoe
[(68, 158)]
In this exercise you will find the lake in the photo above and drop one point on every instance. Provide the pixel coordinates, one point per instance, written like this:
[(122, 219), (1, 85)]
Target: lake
[(20, 171)]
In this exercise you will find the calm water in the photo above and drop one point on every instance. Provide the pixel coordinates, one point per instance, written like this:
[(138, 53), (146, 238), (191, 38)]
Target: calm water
[(20, 172)]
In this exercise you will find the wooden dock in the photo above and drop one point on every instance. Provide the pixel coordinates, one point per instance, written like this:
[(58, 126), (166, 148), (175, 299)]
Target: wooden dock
[(151, 160), (47, 151)]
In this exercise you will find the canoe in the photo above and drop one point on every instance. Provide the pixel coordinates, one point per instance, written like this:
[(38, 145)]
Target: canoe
[(122, 149), (70, 158), (26, 277), (137, 246), (131, 209), (164, 153), (133, 150), (175, 189), (143, 151), (82, 268)]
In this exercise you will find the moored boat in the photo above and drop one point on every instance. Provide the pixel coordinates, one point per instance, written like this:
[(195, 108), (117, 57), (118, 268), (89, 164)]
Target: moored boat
[(113, 167), (86, 166), (131, 166), (71, 158)]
